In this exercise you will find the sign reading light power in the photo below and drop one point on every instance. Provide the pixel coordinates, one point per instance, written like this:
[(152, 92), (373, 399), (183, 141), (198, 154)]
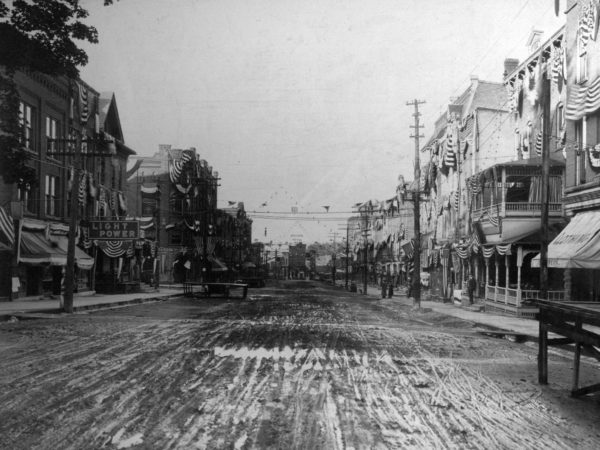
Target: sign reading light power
[(114, 230)]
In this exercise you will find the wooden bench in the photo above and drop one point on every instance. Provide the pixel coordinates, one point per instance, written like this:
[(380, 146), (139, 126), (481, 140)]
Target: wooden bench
[(200, 289)]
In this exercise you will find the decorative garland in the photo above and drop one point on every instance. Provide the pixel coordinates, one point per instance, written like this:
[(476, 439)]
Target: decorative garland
[(594, 155)]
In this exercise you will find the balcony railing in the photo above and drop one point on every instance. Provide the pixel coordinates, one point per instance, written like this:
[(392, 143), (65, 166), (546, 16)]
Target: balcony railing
[(508, 209)]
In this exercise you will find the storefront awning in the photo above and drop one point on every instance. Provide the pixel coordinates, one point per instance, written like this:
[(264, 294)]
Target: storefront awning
[(82, 259), (36, 249), (577, 246)]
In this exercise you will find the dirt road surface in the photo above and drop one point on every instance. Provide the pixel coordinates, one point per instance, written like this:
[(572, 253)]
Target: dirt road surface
[(294, 366)]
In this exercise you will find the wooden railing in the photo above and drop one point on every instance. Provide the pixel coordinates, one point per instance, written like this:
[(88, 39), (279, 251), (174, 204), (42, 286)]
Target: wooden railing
[(517, 208), (515, 297)]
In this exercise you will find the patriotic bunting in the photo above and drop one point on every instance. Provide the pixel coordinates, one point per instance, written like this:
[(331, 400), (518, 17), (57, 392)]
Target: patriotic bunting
[(539, 143), (83, 103), (488, 252), (594, 155), (82, 188), (463, 253), (7, 226), (503, 249), (176, 167), (114, 249)]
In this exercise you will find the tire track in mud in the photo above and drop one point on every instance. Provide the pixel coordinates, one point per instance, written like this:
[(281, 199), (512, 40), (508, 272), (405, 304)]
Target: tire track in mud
[(281, 376)]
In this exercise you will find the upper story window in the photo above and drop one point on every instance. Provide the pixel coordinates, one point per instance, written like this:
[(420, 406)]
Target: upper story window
[(26, 117), (52, 135), (560, 120), (582, 60), (51, 200), (580, 156), (102, 176), (26, 195)]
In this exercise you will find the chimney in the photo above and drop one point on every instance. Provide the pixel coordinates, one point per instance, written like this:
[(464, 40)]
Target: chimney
[(474, 82), (510, 64)]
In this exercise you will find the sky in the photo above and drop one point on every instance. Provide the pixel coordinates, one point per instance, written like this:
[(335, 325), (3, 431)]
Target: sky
[(299, 103)]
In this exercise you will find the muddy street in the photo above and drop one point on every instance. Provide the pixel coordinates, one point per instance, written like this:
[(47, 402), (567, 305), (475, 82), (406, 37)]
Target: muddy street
[(299, 365)]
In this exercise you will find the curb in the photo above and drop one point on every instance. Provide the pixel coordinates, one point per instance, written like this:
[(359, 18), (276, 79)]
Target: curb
[(57, 313)]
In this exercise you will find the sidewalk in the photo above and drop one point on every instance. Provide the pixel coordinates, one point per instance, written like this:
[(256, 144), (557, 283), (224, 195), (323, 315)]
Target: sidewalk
[(510, 324), (82, 302)]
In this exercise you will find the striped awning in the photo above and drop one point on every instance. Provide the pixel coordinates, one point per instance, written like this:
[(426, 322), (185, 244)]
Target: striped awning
[(583, 100), (36, 249), (578, 244), (82, 259)]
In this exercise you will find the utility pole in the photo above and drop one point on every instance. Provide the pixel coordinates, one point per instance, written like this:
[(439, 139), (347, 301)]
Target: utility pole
[(74, 216), (365, 251), (545, 185), (156, 260), (347, 253), (416, 278), (69, 274), (333, 259), (16, 211)]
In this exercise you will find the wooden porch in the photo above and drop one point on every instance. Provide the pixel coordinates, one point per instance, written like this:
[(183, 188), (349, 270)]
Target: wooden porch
[(516, 302)]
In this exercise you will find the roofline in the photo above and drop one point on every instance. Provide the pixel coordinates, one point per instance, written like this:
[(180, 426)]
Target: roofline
[(531, 58)]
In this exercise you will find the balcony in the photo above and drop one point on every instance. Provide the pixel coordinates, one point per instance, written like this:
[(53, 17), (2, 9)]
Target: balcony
[(519, 209)]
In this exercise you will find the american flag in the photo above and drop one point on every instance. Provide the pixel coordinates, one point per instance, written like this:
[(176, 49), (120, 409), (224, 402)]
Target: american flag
[(7, 227), (83, 103)]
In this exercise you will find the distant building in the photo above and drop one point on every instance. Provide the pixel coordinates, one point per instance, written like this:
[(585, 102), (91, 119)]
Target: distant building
[(297, 260)]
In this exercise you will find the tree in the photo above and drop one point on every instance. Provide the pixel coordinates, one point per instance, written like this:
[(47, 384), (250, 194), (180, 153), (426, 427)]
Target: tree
[(39, 36)]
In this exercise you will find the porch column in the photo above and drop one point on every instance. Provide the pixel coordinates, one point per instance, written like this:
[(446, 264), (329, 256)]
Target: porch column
[(519, 265), (506, 263), (476, 266), (503, 188), (497, 277), (487, 276), (568, 284)]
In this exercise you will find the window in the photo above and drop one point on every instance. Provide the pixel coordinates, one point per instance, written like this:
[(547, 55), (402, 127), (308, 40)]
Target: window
[(25, 194), (580, 159), (113, 178), (102, 170), (560, 120), (582, 65), (26, 117), (51, 195), (52, 135)]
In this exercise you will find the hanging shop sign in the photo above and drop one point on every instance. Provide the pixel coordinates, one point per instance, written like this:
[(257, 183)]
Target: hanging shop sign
[(114, 230)]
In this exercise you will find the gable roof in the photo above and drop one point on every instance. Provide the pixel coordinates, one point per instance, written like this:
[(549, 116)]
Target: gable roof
[(107, 106)]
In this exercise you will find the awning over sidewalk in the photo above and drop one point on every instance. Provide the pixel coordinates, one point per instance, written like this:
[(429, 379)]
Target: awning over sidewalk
[(82, 259), (577, 246), (36, 249)]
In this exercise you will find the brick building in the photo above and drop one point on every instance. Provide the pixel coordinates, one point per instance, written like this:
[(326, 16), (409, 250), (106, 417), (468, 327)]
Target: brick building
[(60, 116)]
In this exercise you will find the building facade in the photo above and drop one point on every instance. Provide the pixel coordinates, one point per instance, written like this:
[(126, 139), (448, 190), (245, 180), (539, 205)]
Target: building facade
[(59, 118)]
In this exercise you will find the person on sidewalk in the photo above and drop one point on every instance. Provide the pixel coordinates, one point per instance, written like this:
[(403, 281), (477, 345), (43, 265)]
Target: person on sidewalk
[(471, 285)]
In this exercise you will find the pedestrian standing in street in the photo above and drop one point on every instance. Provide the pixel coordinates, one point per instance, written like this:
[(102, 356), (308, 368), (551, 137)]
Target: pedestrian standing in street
[(471, 284)]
